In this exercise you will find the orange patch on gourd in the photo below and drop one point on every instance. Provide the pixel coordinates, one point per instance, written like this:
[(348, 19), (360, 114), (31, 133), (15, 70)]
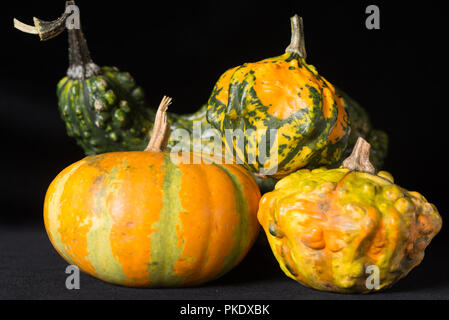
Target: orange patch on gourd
[(204, 249), (282, 87)]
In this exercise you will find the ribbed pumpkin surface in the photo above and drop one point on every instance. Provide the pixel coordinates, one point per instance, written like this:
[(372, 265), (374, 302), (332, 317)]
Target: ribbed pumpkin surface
[(137, 219)]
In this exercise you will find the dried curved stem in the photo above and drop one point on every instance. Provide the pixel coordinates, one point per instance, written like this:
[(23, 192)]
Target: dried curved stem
[(45, 29), (81, 65), (297, 44), (161, 128), (359, 158), (25, 27)]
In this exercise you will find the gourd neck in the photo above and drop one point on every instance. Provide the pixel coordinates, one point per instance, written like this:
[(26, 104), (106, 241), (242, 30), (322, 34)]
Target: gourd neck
[(161, 128), (359, 158), (81, 65), (297, 43)]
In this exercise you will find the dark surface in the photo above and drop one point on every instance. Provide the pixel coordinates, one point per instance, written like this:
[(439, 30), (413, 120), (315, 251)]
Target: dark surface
[(31, 269)]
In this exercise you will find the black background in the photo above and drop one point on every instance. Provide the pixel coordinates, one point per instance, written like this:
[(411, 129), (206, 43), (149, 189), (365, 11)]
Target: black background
[(180, 49)]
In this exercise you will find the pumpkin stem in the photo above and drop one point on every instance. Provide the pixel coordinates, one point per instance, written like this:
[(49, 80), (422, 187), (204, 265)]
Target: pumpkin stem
[(161, 128), (359, 158), (297, 43), (81, 65)]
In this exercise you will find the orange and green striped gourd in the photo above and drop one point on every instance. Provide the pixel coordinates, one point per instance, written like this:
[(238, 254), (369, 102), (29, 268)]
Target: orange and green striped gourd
[(140, 219), (284, 94), (331, 229)]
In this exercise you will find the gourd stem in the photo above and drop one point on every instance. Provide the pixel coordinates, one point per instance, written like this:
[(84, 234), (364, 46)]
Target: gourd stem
[(44, 29), (81, 65), (297, 43), (161, 128), (359, 158)]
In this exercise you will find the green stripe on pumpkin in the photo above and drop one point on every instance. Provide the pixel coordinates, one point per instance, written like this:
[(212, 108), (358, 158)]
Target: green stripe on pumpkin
[(163, 259), (242, 229), (99, 248), (54, 209)]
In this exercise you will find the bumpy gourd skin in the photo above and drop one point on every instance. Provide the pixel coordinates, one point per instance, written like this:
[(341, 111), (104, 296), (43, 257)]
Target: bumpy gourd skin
[(286, 94), (325, 227), (106, 112)]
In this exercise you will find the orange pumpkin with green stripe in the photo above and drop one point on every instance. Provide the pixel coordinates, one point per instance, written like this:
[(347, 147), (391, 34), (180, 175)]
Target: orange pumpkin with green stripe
[(286, 94), (139, 219)]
